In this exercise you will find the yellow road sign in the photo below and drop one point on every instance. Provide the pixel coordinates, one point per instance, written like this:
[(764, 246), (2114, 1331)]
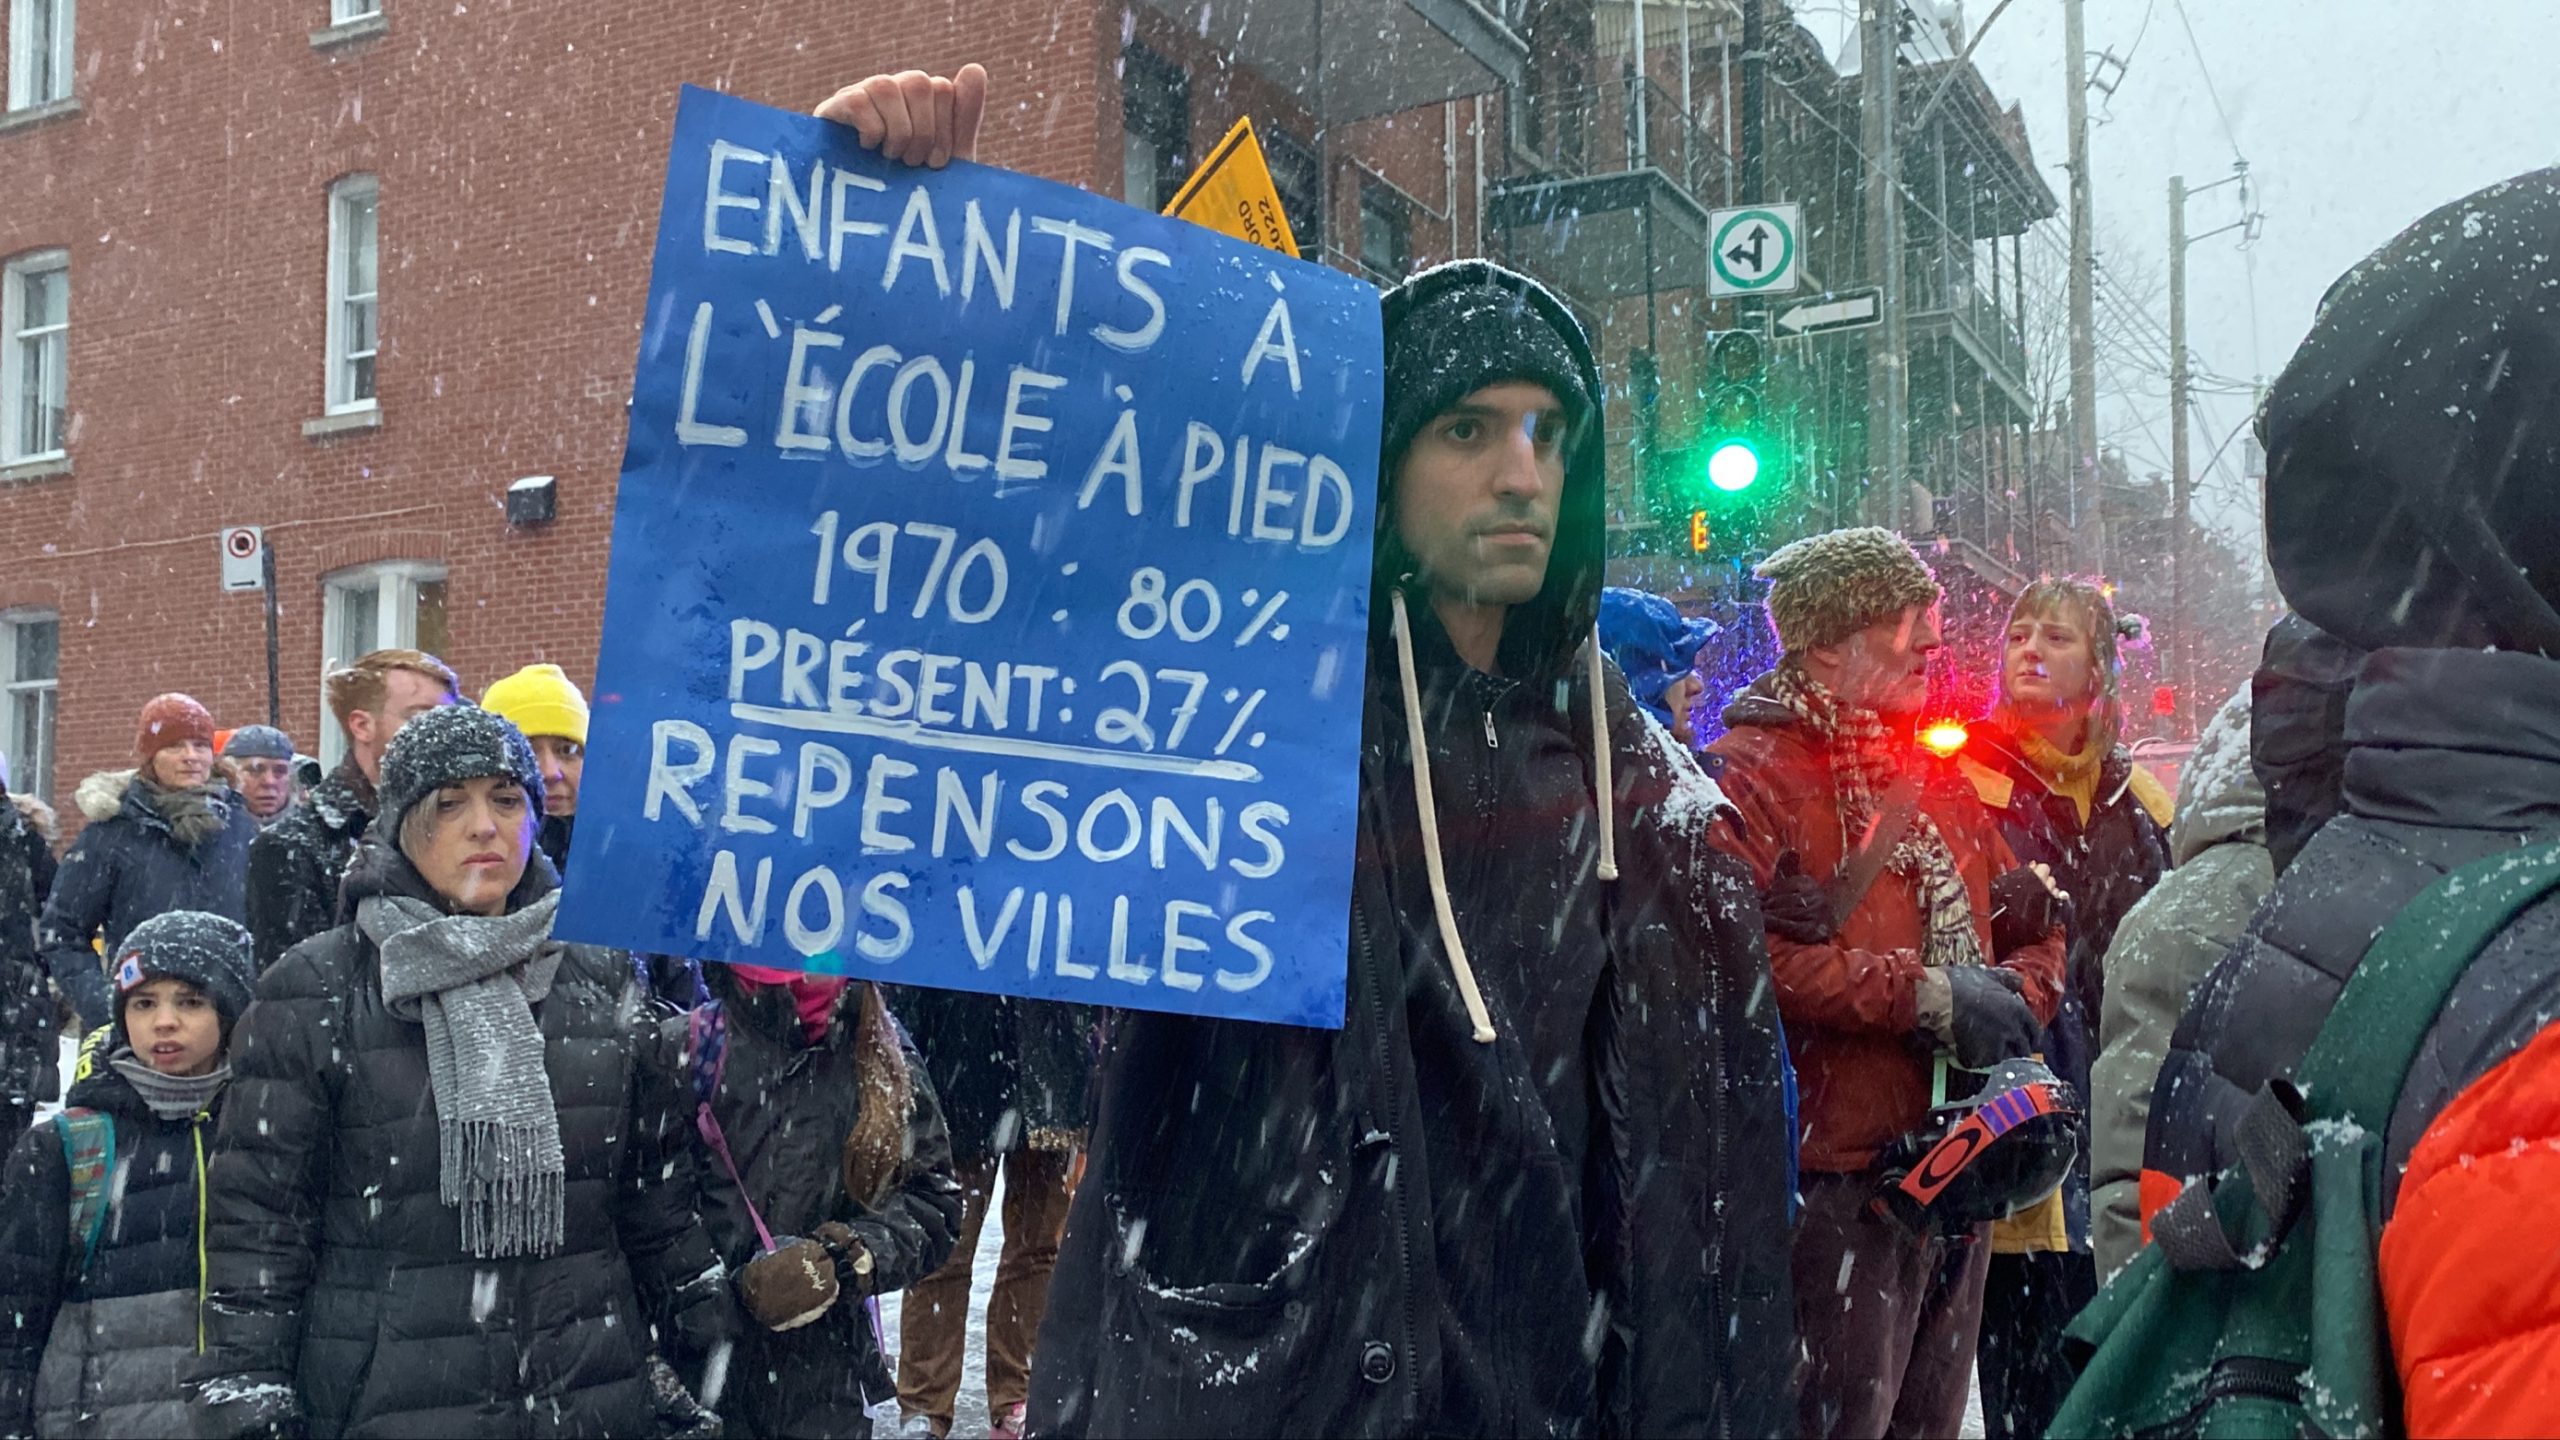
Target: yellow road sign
[(1232, 194)]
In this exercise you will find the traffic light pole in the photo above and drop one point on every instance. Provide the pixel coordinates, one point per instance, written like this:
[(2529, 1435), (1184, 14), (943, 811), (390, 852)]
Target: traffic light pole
[(1887, 395), (1755, 76)]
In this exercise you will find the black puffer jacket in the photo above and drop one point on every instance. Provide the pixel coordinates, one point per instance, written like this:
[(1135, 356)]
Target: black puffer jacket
[(786, 1108), (103, 1347), (1009, 1072), (338, 1279), (29, 1063), (129, 865), (2431, 785), (1380, 1230), (296, 863)]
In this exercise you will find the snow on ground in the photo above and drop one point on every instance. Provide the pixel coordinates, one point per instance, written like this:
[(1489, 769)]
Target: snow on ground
[(969, 1413)]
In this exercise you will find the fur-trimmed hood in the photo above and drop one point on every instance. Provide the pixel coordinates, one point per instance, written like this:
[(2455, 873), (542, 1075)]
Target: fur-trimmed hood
[(101, 796), (39, 814)]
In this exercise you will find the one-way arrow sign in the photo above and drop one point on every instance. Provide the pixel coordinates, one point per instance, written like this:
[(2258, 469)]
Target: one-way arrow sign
[(1821, 314)]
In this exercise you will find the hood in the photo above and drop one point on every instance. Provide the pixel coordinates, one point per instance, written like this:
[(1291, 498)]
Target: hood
[(39, 814), (1756, 706), (1541, 635), (1653, 644), (2488, 760), (101, 796), (2298, 731), (2218, 794), (2413, 441)]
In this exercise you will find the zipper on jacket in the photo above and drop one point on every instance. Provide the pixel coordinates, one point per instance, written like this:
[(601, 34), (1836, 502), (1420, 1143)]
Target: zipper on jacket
[(203, 1282), (1492, 740), (2236, 1377), (1408, 1372)]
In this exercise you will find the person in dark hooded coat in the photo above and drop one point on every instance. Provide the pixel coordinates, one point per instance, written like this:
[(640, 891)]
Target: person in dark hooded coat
[(160, 837), (1535, 1184), (2413, 511), (452, 1191), (30, 1062)]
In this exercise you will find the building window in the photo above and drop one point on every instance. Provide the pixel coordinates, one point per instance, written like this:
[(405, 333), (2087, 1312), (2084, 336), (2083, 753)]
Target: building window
[(30, 675), (342, 11), (353, 328), (1298, 175), (35, 342), (1386, 233), (39, 52), (1155, 122), (394, 606)]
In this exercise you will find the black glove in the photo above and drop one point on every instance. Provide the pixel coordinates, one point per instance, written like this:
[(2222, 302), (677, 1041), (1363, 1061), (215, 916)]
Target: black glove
[(1796, 905), (2024, 910), (1992, 1022)]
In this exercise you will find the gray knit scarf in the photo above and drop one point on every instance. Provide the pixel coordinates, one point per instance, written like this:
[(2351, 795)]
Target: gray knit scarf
[(171, 1097), (1862, 769), (472, 981)]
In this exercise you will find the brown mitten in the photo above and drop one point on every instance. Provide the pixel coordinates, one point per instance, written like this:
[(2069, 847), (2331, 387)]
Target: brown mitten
[(852, 1257), (788, 1286)]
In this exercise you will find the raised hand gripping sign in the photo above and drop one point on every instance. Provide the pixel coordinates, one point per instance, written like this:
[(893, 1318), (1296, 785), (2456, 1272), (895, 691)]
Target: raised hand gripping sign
[(989, 589)]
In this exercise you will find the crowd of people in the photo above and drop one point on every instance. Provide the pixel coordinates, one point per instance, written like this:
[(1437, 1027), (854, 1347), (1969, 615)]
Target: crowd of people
[(1802, 1082)]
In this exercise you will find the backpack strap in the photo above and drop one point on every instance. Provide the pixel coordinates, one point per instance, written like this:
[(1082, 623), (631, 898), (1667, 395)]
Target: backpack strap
[(706, 1049), (89, 1149), (2361, 1057)]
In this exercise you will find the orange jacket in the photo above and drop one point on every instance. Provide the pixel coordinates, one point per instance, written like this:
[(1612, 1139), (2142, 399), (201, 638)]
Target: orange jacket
[(1850, 1005), (2471, 1258)]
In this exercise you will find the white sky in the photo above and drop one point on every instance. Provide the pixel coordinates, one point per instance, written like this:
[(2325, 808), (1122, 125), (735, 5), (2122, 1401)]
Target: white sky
[(2357, 117)]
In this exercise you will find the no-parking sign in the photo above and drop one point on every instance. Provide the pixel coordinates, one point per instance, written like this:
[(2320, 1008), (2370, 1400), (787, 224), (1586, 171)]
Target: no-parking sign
[(244, 551)]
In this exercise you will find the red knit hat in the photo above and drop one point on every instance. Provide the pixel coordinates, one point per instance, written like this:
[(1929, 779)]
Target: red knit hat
[(169, 719)]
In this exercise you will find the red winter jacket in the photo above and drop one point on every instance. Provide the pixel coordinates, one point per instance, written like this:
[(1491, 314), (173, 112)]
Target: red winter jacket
[(1850, 1005), (2470, 1262)]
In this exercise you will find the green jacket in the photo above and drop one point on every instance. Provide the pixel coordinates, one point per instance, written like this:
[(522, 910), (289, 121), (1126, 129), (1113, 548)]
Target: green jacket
[(2163, 948)]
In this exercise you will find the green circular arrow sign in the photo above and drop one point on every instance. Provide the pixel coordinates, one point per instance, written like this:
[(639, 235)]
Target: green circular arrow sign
[(1754, 250)]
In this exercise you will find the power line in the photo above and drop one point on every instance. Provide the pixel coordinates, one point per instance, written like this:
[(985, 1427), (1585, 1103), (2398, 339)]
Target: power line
[(2202, 69)]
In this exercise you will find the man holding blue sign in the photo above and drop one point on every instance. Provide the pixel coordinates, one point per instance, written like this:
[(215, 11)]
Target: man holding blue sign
[(1535, 1182)]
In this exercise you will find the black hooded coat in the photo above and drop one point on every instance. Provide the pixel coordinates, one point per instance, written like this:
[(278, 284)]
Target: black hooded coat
[(131, 864), (1391, 1229), (341, 1296)]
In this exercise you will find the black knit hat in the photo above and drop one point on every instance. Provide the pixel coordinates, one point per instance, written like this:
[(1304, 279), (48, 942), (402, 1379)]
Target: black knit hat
[(207, 951), (447, 746), (1482, 330)]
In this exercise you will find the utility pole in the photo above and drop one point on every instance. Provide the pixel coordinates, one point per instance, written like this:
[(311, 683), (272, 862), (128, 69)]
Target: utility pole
[(2182, 651), (2085, 492), (1755, 71), (1888, 444)]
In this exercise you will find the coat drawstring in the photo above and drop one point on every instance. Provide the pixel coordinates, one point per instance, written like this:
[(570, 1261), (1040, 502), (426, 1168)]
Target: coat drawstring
[(1600, 772), (1418, 748)]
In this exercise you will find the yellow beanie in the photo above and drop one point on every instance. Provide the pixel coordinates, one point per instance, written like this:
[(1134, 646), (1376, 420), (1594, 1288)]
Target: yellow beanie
[(539, 700)]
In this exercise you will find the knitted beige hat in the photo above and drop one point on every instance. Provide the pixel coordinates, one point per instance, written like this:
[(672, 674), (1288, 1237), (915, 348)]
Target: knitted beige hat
[(1825, 588)]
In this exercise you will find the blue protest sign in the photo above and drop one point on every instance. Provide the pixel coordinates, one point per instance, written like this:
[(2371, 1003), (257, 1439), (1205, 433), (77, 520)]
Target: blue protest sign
[(989, 589)]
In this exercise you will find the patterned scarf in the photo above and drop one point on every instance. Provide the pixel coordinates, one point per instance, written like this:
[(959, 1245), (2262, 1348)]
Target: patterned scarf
[(1863, 766), (472, 981)]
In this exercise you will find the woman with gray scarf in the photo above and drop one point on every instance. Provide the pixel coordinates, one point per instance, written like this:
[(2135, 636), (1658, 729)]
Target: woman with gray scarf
[(452, 1194)]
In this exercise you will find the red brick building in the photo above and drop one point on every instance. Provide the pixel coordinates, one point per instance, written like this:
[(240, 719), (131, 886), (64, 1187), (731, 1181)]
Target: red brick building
[(201, 336)]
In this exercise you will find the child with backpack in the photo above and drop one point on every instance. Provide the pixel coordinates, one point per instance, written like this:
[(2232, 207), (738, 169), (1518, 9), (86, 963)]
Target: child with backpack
[(102, 1208)]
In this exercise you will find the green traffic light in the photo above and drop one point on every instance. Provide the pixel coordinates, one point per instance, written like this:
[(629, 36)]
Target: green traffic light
[(1734, 466)]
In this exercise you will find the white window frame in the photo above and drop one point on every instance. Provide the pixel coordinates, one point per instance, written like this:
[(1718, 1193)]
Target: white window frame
[(30, 774), (15, 447), (26, 65), (344, 196), (394, 584), (342, 11)]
